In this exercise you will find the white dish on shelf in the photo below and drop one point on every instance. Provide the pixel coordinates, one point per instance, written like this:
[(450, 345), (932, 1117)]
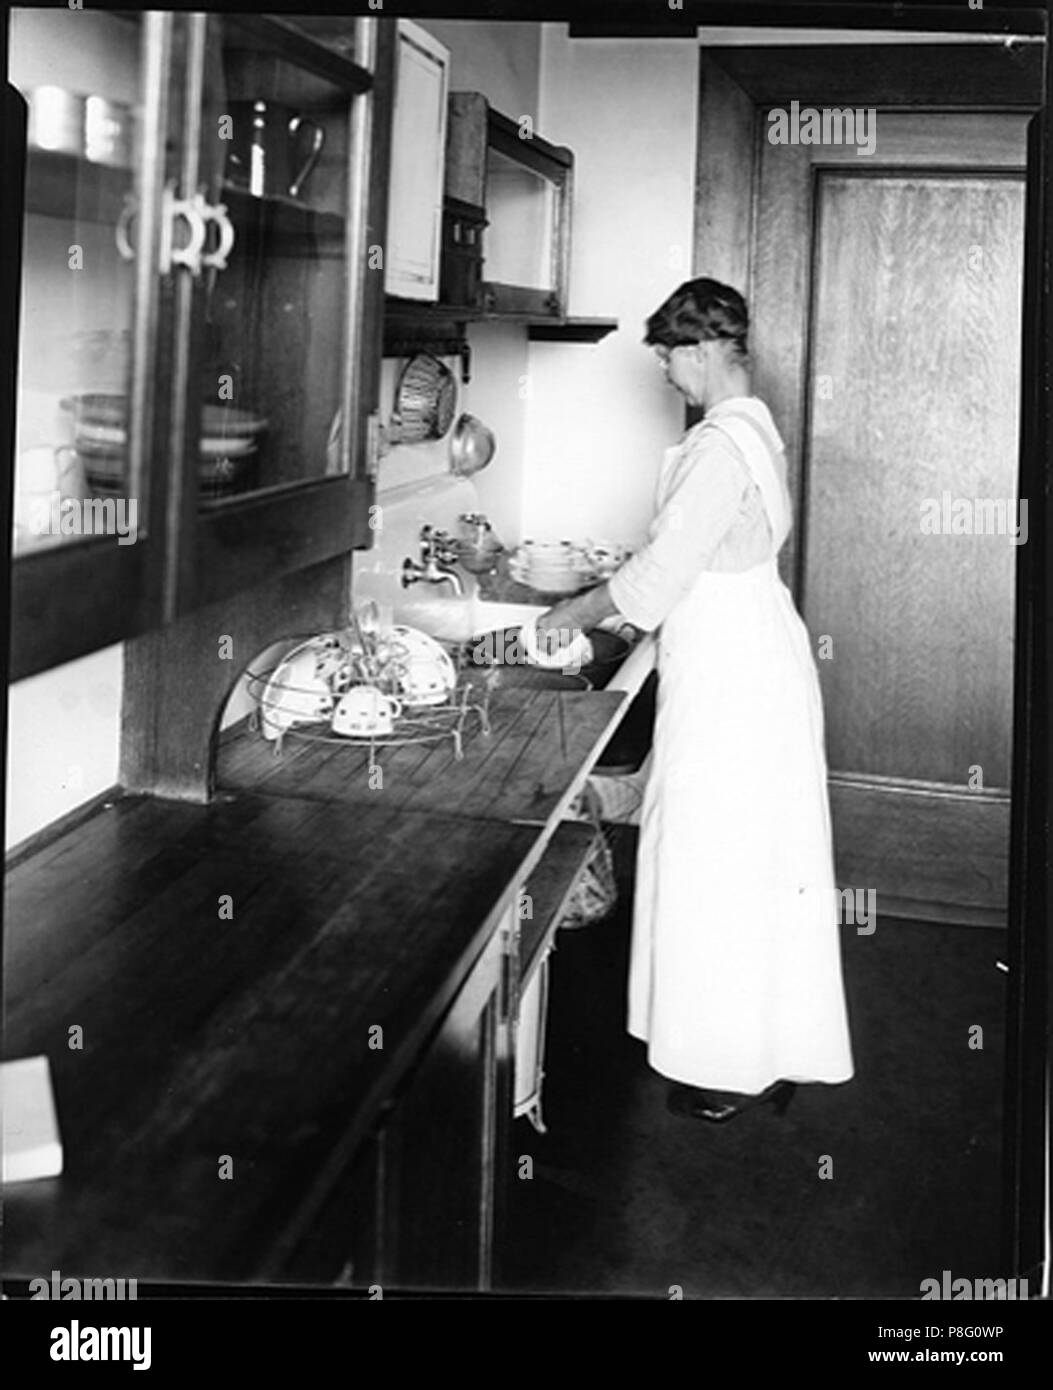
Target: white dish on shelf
[(223, 421), (295, 694), (565, 579), (88, 433), (426, 673), (231, 445), (605, 557), (235, 447)]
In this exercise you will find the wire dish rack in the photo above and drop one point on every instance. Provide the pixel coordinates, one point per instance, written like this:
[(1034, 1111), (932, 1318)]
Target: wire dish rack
[(303, 714)]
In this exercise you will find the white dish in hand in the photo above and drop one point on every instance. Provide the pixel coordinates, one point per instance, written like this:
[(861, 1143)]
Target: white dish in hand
[(578, 653)]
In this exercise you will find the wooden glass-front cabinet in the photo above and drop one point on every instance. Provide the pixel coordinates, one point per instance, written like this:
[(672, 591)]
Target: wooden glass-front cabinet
[(200, 312)]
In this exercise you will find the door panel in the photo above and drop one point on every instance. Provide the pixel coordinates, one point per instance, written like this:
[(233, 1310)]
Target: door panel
[(916, 365), (887, 323)]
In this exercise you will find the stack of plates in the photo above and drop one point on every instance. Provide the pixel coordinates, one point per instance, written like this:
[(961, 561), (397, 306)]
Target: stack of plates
[(227, 448), (101, 439), (552, 567)]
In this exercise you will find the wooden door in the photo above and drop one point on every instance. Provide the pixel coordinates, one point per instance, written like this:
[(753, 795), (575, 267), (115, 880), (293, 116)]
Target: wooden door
[(442, 1142), (887, 318)]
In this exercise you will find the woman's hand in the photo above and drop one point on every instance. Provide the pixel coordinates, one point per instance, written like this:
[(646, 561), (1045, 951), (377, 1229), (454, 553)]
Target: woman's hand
[(574, 615), (557, 628)]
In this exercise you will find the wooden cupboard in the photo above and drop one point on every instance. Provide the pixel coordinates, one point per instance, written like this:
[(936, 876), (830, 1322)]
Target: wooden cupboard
[(217, 360), (422, 79), (423, 1204)]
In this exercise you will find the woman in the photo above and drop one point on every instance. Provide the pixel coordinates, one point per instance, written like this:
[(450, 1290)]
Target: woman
[(735, 974)]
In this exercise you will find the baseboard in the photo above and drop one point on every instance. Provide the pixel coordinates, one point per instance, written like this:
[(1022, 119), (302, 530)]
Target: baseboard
[(890, 907), (930, 851), (41, 838)]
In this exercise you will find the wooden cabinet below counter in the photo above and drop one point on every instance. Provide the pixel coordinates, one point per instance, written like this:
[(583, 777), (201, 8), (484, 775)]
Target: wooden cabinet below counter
[(422, 1204)]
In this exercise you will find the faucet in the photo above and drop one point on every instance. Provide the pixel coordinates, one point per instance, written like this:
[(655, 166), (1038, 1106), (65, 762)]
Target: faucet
[(438, 555)]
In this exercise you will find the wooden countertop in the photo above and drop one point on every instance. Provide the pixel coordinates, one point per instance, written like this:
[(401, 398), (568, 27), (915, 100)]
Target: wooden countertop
[(249, 1037), (519, 771)]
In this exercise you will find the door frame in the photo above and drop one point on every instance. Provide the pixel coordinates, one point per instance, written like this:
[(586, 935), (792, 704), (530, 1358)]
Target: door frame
[(736, 85)]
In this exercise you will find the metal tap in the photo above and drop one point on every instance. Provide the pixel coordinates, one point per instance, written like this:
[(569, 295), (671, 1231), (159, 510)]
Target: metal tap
[(438, 555)]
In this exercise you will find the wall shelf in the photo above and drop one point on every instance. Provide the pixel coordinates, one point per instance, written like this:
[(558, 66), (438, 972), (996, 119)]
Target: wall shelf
[(63, 185), (570, 330), (408, 323), (286, 225)]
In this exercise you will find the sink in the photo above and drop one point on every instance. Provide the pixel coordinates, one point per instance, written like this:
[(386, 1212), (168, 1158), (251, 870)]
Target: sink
[(451, 618)]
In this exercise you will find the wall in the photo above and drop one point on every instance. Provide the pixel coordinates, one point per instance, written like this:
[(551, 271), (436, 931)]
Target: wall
[(600, 416), (581, 429), (63, 737), (501, 60), (499, 366)]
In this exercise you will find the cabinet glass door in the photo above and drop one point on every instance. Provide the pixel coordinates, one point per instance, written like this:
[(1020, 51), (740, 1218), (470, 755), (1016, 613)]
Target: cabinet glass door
[(275, 153), (97, 104)]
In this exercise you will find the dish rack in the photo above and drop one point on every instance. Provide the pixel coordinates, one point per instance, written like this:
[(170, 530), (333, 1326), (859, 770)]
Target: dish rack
[(416, 724)]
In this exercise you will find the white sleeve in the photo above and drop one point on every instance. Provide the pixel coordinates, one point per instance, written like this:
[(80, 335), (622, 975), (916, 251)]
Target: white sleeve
[(701, 506)]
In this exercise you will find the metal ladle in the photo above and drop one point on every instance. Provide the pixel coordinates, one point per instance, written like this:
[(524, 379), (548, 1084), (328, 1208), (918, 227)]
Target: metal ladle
[(472, 446)]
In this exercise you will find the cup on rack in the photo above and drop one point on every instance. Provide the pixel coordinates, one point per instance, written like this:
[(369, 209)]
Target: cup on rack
[(268, 143), (365, 711)]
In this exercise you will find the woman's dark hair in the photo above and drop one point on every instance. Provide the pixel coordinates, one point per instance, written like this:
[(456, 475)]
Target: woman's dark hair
[(697, 312)]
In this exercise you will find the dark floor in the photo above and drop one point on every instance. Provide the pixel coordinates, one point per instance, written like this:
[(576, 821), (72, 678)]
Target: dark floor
[(629, 1199)]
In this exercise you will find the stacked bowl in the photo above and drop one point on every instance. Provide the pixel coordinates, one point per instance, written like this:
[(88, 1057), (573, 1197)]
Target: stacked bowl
[(551, 567), (226, 450)]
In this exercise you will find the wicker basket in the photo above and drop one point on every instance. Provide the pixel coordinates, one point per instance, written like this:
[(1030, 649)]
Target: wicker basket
[(595, 893)]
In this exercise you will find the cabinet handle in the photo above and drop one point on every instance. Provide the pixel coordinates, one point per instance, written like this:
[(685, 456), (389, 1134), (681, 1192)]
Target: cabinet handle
[(195, 212), (217, 259)]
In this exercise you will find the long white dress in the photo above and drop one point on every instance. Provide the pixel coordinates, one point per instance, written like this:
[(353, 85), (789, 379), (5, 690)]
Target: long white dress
[(735, 974)]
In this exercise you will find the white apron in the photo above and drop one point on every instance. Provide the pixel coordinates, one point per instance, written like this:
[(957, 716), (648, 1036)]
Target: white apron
[(735, 970)]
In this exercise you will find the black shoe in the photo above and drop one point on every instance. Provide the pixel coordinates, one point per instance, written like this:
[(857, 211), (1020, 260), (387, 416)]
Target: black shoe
[(701, 1105)]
